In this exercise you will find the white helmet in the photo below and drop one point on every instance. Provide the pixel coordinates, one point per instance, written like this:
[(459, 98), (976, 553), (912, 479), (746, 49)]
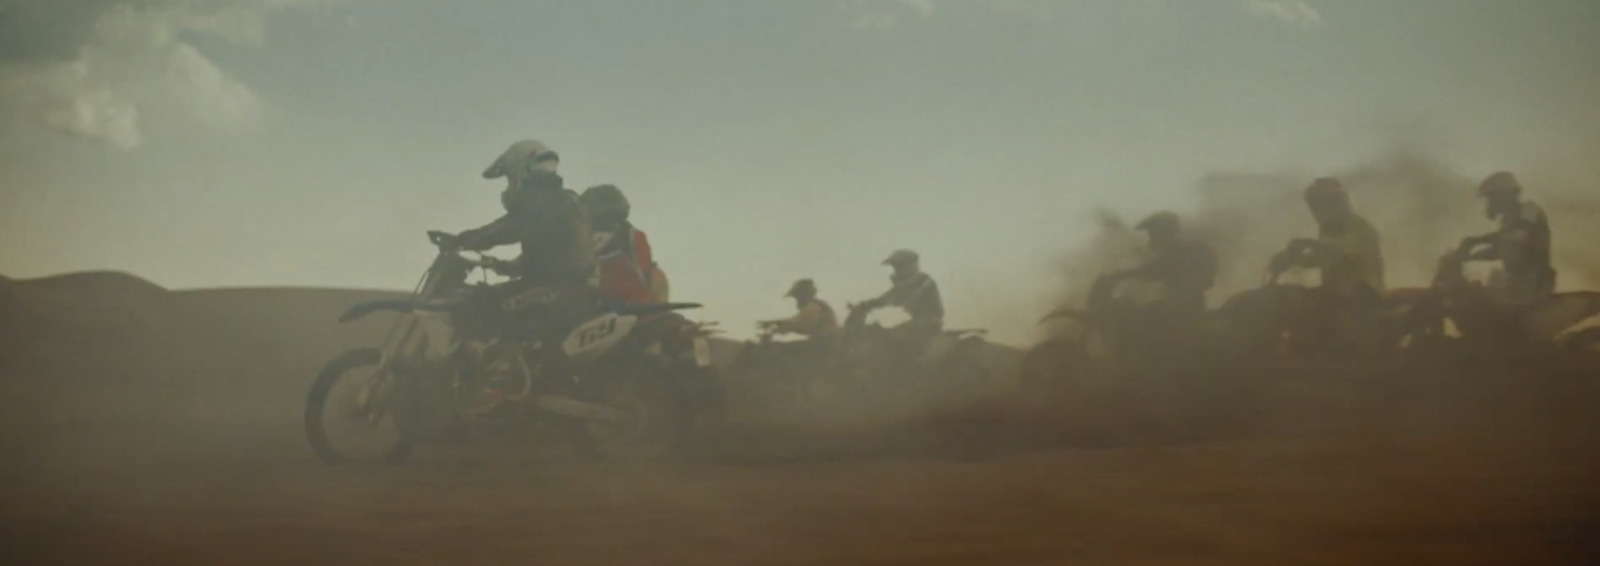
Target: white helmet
[(522, 158)]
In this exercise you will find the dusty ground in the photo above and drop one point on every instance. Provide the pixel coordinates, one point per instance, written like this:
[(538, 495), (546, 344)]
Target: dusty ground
[(138, 474)]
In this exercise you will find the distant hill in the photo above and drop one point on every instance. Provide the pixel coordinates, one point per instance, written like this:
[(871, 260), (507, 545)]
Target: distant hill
[(108, 326), (118, 334)]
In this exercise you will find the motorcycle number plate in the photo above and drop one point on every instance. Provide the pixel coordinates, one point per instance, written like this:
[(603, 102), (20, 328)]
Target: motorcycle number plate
[(702, 352)]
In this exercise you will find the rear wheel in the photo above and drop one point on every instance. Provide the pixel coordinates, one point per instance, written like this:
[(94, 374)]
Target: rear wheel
[(350, 398)]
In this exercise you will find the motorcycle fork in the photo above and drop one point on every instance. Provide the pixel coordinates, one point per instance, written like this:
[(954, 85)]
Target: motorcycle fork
[(373, 400)]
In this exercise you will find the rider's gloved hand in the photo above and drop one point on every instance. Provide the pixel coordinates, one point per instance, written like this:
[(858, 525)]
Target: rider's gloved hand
[(500, 266), (446, 241)]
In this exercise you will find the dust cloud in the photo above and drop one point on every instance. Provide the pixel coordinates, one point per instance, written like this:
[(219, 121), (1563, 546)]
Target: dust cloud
[(1420, 206)]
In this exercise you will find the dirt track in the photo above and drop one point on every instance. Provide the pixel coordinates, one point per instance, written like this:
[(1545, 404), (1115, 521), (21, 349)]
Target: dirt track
[(246, 491), (135, 474)]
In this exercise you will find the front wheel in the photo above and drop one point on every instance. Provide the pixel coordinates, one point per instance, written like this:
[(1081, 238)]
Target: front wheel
[(351, 392), (660, 415)]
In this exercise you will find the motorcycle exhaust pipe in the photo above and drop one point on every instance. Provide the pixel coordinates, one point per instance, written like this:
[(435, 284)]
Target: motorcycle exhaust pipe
[(578, 409)]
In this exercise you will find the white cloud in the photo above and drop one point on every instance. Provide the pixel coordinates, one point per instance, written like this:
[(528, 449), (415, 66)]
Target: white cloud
[(104, 69), (1296, 13), (879, 14)]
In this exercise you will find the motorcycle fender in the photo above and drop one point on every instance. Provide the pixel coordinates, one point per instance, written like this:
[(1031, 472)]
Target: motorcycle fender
[(599, 334)]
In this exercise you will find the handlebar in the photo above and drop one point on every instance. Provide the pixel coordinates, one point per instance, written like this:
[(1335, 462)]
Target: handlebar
[(442, 239), (447, 242)]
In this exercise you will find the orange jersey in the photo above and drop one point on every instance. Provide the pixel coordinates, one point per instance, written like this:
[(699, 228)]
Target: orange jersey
[(625, 265)]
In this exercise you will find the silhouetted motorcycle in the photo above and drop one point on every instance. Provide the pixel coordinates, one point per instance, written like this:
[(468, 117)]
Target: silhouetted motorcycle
[(468, 356), (862, 360), (952, 362), (1457, 317)]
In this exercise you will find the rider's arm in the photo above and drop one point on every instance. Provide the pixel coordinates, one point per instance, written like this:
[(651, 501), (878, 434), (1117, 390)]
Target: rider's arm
[(1350, 244), (806, 321), (503, 231), (1516, 234), (909, 292)]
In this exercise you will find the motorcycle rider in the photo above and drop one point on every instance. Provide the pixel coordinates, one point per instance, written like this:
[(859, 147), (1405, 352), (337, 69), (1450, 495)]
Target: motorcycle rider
[(914, 291), (545, 218), (1187, 268), (1348, 254), (813, 317), (541, 215), (1346, 250), (1521, 243), (627, 267)]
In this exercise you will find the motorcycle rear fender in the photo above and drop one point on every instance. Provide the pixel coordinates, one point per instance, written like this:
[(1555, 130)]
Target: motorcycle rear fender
[(648, 309), (599, 334)]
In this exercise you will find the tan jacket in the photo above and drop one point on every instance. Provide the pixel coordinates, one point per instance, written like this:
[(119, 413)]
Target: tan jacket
[(815, 318), (1352, 255)]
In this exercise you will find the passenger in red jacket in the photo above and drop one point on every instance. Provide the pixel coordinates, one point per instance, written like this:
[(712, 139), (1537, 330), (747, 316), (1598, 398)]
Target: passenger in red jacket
[(627, 270)]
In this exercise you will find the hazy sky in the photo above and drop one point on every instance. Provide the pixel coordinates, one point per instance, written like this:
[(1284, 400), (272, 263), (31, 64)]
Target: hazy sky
[(311, 142)]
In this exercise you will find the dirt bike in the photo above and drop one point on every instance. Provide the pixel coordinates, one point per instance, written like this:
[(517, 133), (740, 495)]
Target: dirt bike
[(1127, 365), (863, 359), (466, 357), (1115, 334), (1092, 350), (1456, 316), (953, 360), (1287, 322)]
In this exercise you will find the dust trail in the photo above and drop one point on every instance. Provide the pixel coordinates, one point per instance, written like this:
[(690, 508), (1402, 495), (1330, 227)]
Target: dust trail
[(1420, 206)]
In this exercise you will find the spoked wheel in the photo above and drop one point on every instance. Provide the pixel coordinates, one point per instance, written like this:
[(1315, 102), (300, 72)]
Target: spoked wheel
[(355, 414), (658, 421)]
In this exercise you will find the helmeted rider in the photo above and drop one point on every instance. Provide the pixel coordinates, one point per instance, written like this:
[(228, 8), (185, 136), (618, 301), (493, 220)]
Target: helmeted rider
[(1346, 250), (914, 291), (627, 266), (541, 215), (1521, 243), (1187, 268), (813, 317), (546, 219)]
